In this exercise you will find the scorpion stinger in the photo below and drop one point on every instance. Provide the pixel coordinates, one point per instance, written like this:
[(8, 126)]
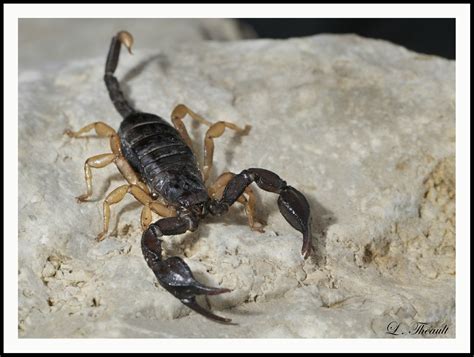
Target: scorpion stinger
[(173, 273)]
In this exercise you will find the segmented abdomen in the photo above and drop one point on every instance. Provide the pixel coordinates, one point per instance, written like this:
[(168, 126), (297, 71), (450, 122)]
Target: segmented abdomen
[(155, 149)]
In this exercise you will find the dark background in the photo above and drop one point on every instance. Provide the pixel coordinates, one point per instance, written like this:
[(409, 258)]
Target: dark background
[(430, 36)]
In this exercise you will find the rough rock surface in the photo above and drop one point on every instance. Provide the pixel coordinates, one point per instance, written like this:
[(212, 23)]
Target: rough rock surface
[(364, 128)]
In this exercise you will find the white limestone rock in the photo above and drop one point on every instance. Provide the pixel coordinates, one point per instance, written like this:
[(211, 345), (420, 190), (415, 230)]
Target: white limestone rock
[(365, 129)]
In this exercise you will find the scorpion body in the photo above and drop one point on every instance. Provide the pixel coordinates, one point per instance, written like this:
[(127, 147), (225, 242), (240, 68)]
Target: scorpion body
[(162, 172), (157, 152)]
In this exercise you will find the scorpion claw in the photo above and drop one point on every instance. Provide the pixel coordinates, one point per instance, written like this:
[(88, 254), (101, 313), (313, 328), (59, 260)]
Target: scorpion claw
[(192, 304), (307, 249), (295, 208), (175, 276)]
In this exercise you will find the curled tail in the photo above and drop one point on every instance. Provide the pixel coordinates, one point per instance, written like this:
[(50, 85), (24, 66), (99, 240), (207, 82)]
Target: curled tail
[(112, 84)]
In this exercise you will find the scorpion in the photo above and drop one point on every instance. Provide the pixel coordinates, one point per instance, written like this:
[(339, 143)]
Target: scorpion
[(158, 163)]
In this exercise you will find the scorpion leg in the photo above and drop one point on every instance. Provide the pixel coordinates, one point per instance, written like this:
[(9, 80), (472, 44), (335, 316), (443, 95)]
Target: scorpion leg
[(217, 188), (214, 131), (173, 273), (98, 161), (137, 188), (102, 130), (177, 116), (292, 203), (140, 195)]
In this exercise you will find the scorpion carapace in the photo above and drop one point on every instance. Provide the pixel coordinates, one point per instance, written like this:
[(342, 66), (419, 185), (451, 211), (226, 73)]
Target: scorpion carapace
[(162, 173)]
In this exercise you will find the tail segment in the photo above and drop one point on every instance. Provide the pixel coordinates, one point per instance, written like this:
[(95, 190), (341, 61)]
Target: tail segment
[(112, 84)]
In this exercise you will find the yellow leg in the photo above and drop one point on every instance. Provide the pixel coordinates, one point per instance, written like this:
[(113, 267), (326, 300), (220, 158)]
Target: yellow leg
[(101, 129), (129, 174), (97, 161), (145, 199), (217, 189), (115, 196), (215, 131), (145, 217), (135, 186), (177, 117), (140, 195)]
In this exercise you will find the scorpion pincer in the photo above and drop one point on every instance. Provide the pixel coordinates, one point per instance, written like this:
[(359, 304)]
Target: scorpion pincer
[(162, 173)]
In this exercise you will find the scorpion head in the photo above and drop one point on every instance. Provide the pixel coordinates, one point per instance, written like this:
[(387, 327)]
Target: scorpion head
[(194, 205), (186, 191)]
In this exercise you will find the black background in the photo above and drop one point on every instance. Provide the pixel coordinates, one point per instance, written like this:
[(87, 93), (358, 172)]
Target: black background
[(429, 36)]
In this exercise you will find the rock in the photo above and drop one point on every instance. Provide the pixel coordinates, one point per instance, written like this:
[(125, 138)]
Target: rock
[(365, 129)]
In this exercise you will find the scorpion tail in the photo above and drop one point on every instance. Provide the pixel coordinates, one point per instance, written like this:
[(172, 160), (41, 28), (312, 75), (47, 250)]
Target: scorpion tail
[(173, 273), (112, 84)]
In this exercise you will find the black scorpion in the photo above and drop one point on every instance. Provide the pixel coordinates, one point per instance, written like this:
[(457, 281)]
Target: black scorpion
[(162, 173)]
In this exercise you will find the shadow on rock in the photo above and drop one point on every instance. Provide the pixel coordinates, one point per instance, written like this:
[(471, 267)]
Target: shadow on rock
[(163, 64), (322, 219)]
